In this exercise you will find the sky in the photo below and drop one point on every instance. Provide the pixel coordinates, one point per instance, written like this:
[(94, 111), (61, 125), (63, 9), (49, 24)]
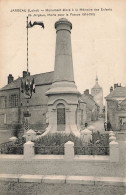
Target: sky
[(98, 42)]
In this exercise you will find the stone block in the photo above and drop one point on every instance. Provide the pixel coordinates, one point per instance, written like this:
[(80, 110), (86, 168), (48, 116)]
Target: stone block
[(54, 179), (31, 178), (69, 151), (114, 151), (85, 180), (28, 150), (112, 138), (9, 177), (111, 134), (110, 181)]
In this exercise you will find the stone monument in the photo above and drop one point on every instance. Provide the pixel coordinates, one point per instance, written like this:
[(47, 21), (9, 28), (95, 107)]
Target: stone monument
[(63, 95)]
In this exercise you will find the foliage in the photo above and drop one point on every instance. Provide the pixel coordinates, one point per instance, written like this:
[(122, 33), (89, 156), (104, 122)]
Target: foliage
[(54, 143), (12, 148), (57, 140)]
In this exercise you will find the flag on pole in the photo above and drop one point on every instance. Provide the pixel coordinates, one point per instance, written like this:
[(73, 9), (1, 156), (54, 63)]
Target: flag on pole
[(27, 87), (30, 25)]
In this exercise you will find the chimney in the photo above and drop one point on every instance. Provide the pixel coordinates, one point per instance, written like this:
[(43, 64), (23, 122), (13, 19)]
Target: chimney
[(10, 78), (111, 89), (115, 85), (25, 74), (86, 92)]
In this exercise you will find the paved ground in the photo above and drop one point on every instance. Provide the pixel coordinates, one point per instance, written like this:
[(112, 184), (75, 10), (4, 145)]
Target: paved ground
[(99, 125), (9, 188)]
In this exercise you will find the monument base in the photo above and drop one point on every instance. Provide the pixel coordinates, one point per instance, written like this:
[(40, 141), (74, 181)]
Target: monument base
[(69, 129)]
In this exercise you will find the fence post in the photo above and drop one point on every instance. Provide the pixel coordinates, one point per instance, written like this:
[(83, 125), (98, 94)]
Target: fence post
[(125, 150), (30, 135), (29, 150), (69, 150), (114, 151), (13, 139), (112, 138), (111, 134)]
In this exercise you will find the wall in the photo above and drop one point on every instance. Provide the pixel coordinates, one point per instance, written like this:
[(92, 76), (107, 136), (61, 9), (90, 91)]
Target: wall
[(114, 114), (12, 114), (83, 114), (37, 107), (92, 109), (63, 165)]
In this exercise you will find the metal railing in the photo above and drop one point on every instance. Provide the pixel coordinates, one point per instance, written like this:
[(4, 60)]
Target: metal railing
[(16, 148), (57, 150), (91, 150), (11, 148)]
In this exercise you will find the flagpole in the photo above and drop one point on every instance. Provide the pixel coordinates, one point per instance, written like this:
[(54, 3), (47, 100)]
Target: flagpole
[(29, 87), (27, 45)]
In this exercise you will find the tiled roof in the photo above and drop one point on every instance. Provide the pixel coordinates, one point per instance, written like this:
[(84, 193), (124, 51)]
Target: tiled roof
[(40, 79), (119, 92), (123, 103), (89, 101)]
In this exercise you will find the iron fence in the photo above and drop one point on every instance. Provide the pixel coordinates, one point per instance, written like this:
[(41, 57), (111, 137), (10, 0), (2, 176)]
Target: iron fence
[(11, 148), (91, 150), (57, 150)]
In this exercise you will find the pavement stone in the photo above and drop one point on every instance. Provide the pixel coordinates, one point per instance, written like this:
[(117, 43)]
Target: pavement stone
[(9, 177), (31, 178), (54, 179), (85, 180), (117, 181)]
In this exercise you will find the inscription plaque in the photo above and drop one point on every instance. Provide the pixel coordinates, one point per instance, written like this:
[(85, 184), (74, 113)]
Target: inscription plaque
[(60, 119)]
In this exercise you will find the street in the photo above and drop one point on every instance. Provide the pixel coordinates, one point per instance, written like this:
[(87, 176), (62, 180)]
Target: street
[(11, 188)]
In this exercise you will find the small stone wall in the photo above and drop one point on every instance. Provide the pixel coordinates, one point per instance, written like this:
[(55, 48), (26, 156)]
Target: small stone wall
[(68, 164)]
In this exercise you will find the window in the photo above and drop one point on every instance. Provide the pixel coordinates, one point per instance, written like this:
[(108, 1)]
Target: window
[(3, 102), (1, 119), (13, 101), (82, 117)]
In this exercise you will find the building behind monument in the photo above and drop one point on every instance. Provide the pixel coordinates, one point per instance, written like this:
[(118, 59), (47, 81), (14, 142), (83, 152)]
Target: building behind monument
[(57, 104), (116, 107)]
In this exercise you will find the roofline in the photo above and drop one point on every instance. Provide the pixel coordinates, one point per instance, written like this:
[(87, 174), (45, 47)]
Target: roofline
[(19, 87), (23, 78), (91, 99), (9, 89), (112, 98), (43, 84), (107, 97), (40, 73)]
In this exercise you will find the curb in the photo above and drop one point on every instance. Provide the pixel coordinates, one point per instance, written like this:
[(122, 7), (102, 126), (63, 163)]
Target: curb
[(62, 179)]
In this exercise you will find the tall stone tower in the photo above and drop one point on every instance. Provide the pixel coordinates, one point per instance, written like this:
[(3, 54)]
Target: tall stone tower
[(97, 93), (63, 95)]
